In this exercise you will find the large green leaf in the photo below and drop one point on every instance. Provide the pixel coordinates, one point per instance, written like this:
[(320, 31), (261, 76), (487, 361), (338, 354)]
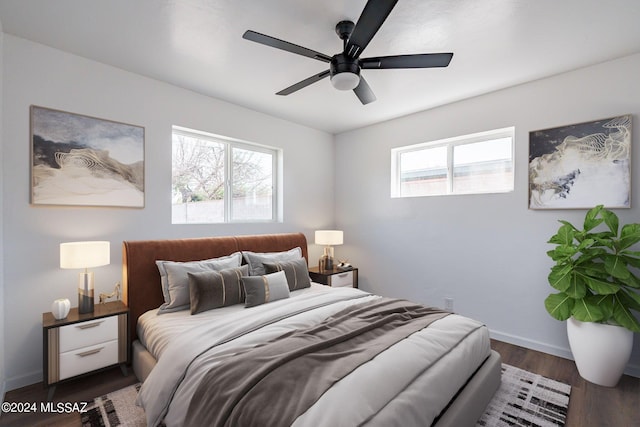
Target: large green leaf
[(630, 258), (606, 303), (616, 266), (591, 219), (577, 286), (625, 318), (585, 244), (604, 239), (590, 255), (611, 219), (559, 306), (632, 281), (587, 310), (594, 269), (600, 286), (562, 252), (629, 236), (564, 236), (629, 299), (560, 276)]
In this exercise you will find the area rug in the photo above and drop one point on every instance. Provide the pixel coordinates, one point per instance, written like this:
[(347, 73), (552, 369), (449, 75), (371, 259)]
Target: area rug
[(527, 399), (115, 409), (523, 399)]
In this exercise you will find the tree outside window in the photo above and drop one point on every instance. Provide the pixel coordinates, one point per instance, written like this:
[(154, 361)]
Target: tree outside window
[(216, 179)]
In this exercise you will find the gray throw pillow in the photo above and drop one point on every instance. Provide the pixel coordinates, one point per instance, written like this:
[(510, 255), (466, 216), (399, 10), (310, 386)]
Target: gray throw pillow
[(255, 260), (263, 289), (215, 289), (296, 271), (174, 278)]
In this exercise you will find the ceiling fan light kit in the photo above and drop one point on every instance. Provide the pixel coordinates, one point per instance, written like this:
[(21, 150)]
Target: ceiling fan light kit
[(345, 81), (344, 67)]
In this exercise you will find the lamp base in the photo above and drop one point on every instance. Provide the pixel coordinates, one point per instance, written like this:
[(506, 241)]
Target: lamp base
[(85, 292), (326, 261)]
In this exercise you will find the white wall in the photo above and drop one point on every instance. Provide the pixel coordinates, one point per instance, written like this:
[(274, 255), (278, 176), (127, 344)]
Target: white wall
[(35, 74), (487, 252), (2, 298)]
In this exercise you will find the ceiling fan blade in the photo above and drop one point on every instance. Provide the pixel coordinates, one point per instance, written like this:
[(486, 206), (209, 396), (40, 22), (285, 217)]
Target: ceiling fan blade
[(304, 83), (425, 60), (364, 92), (281, 44), (370, 21)]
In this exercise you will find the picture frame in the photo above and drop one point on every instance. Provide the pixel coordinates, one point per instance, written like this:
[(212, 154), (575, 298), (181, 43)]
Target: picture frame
[(79, 160), (581, 165)]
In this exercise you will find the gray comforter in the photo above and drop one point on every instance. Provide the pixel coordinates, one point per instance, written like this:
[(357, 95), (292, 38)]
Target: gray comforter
[(408, 384), (273, 384)]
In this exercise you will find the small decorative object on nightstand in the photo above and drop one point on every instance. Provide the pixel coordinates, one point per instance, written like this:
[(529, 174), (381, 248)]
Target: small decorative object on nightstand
[(116, 293), (335, 277), (60, 308), (84, 343)]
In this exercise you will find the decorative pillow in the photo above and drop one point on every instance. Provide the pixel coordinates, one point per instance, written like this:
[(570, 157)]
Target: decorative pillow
[(215, 289), (296, 272), (263, 289), (175, 282), (256, 259)]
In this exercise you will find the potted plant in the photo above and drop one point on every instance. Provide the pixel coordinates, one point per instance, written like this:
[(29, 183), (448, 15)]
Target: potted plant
[(595, 274)]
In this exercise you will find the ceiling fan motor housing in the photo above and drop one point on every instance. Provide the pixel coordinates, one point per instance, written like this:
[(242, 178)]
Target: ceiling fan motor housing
[(344, 71)]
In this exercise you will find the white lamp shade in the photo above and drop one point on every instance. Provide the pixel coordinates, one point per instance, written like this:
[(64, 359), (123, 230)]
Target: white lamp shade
[(84, 254), (329, 237)]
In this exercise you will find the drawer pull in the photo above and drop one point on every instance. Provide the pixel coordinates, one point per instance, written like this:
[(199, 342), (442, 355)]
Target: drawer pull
[(89, 325), (90, 352), (343, 275)]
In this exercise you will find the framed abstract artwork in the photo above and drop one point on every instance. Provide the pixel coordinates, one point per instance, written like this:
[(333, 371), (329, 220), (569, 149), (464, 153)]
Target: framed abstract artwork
[(85, 161), (582, 165)]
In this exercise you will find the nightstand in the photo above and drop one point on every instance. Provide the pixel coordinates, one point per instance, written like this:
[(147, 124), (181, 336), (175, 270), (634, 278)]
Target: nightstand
[(83, 343), (335, 277)]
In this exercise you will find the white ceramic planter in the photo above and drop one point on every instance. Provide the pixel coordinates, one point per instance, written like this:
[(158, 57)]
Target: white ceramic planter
[(60, 308), (601, 351)]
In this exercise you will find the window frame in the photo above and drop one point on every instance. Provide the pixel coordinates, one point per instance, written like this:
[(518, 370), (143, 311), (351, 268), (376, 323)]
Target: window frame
[(449, 143), (230, 144)]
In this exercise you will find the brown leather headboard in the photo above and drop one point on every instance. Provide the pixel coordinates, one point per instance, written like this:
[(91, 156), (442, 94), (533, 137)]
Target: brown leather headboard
[(140, 277)]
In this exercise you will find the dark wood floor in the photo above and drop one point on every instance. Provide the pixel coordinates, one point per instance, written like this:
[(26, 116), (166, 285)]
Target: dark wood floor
[(589, 405)]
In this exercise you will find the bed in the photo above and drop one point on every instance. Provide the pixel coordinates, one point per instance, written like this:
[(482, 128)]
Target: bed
[(440, 372)]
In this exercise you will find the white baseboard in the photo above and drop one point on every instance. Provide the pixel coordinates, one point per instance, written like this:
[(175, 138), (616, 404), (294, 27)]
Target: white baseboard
[(564, 352)]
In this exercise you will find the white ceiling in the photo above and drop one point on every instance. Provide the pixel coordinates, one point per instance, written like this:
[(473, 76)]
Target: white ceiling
[(198, 45)]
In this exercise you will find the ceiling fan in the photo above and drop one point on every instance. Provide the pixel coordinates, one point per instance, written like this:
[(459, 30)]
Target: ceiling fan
[(344, 67)]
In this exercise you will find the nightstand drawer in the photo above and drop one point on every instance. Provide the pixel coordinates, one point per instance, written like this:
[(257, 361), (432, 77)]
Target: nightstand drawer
[(84, 334), (88, 359), (342, 279)]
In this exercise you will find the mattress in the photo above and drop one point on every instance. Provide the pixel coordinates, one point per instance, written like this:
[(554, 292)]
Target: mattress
[(408, 384)]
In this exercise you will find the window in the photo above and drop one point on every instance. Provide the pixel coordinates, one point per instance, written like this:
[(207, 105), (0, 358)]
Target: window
[(477, 163), (217, 179)]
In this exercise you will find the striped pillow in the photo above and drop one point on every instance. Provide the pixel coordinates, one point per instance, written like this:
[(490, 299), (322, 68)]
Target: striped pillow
[(295, 270), (215, 289), (263, 289)]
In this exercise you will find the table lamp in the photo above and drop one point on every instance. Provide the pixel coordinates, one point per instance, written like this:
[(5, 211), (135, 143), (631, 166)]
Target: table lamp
[(328, 238), (84, 255)]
